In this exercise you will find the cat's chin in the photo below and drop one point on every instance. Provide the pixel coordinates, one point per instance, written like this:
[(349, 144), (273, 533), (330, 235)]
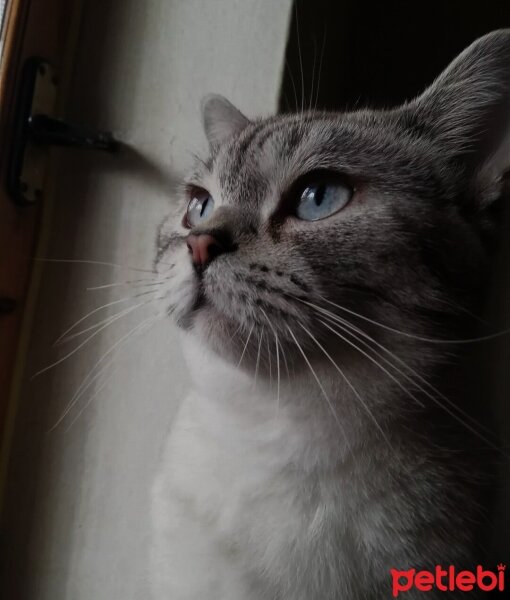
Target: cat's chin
[(214, 330), (185, 317)]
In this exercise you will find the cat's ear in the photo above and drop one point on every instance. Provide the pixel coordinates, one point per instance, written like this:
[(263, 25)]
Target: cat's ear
[(467, 109), (221, 119)]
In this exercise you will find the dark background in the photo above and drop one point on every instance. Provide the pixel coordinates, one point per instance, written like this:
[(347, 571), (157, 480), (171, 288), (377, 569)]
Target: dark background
[(378, 53)]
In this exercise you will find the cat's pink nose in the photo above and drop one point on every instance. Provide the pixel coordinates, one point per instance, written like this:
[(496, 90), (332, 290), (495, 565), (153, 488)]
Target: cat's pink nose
[(203, 248)]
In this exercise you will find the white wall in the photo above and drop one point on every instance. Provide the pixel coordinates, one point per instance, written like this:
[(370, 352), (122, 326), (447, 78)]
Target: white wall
[(142, 68)]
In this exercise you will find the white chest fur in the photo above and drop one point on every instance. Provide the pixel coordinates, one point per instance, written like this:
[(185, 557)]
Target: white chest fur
[(254, 500)]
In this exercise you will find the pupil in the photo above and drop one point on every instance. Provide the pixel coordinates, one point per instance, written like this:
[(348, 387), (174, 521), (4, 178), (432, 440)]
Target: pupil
[(319, 195), (202, 206)]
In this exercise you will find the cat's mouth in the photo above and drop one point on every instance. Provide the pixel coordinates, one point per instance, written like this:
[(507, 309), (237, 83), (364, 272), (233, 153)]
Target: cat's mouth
[(226, 299), (249, 315)]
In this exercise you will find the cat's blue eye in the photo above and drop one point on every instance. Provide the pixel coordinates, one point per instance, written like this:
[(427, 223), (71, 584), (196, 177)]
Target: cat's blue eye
[(321, 200), (200, 208)]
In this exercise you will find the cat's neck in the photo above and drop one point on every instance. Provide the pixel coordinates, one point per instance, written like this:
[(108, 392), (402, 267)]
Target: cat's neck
[(330, 413)]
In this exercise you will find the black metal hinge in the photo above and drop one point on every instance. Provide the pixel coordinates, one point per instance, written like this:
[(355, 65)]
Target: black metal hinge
[(35, 129)]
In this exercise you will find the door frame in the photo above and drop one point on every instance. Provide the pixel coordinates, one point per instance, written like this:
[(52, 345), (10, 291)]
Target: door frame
[(48, 29)]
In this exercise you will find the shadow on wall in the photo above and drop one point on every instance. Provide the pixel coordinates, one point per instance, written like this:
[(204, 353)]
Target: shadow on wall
[(344, 55), (76, 204)]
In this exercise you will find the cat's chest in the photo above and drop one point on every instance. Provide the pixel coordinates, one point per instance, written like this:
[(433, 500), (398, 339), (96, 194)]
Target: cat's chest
[(243, 480)]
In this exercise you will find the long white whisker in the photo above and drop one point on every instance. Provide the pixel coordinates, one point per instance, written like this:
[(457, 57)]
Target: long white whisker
[(235, 333), (330, 404), (320, 71), (90, 378), (296, 101), (277, 373), (90, 262), (97, 391), (146, 293), (418, 386), (91, 328), (269, 360), (359, 332), (284, 359), (90, 337), (418, 337), (373, 360), (300, 61), (258, 357), (245, 346), (106, 285), (135, 282), (270, 354), (313, 73), (277, 357), (89, 314), (140, 332), (351, 386), (435, 400)]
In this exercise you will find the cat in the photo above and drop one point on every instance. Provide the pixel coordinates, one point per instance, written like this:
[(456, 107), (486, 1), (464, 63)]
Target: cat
[(320, 267)]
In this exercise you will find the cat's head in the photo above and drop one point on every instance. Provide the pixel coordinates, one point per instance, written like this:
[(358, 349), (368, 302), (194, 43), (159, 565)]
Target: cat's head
[(296, 224)]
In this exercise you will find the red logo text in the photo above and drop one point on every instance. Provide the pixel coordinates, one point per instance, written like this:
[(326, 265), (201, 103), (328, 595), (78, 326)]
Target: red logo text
[(448, 580)]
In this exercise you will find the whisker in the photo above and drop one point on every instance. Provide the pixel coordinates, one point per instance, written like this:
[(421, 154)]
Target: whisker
[(269, 353), (412, 371), (105, 383), (258, 356), (89, 379), (171, 265), (90, 337), (359, 332), (92, 327), (135, 283), (90, 262), (351, 386), (313, 73), (417, 337), (320, 69), (430, 396), (89, 314), (235, 333), (277, 356), (296, 101), (106, 285), (269, 361), (373, 360), (284, 359), (145, 293), (300, 61), (329, 316), (119, 283), (245, 345), (335, 416), (96, 392), (278, 374)]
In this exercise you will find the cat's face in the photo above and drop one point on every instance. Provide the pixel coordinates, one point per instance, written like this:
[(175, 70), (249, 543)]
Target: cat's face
[(297, 222)]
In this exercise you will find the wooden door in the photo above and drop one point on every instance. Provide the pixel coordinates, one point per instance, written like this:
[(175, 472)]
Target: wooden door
[(43, 28)]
